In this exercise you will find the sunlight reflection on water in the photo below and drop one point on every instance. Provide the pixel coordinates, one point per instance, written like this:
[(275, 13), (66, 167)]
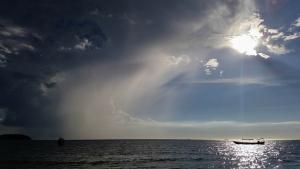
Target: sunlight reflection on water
[(249, 156)]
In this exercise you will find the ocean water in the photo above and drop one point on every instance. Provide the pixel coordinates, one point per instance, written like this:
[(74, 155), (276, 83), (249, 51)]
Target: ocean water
[(148, 154)]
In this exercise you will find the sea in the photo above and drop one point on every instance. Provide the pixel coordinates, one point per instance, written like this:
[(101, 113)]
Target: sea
[(95, 154)]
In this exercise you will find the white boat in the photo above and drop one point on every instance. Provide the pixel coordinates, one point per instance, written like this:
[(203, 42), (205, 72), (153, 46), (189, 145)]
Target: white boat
[(250, 141)]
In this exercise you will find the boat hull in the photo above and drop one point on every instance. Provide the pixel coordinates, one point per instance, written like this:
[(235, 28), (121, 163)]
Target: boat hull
[(242, 142)]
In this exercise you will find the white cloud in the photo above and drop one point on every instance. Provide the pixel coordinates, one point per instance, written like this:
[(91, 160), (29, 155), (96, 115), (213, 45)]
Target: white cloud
[(273, 31), (13, 30), (24, 46), (291, 37), (82, 45), (273, 42), (212, 63), (251, 25), (277, 49), (275, 36), (210, 66), (265, 56), (13, 47), (178, 60), (13, 40), (271, 38), (297, 22), (5, 49)]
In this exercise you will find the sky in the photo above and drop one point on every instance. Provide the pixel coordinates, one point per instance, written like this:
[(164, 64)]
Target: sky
[(192, 69)]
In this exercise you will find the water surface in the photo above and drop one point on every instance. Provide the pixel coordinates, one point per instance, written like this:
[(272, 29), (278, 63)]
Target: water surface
[(148, 154)]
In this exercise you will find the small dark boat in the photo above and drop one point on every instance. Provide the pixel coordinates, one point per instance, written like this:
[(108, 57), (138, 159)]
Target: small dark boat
[(60, 141), (250, 141)]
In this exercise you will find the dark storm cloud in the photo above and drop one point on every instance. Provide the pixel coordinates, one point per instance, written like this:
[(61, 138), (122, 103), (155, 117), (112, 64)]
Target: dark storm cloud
[(41, 39), (33, 39)]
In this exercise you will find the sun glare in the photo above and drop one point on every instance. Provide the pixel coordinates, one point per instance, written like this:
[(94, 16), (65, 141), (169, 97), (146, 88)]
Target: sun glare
[(245, 44)]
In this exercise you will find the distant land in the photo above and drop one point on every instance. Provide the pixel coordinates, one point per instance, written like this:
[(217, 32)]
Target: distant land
[(14, 137)]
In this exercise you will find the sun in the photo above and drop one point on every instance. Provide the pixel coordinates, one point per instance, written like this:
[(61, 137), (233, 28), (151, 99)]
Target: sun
[(244, 44)]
